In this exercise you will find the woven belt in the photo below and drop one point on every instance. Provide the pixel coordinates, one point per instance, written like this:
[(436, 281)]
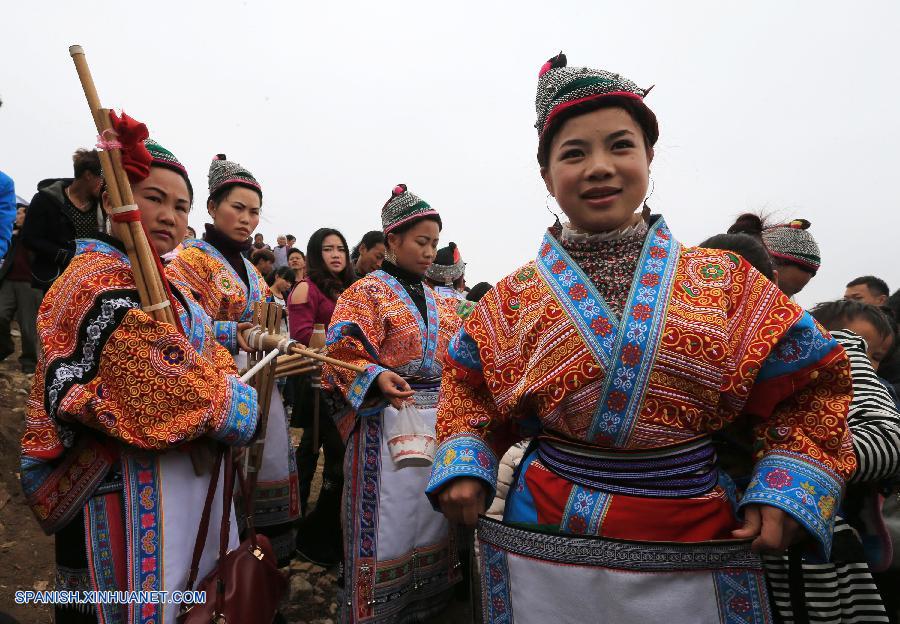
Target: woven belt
[(673, 472)]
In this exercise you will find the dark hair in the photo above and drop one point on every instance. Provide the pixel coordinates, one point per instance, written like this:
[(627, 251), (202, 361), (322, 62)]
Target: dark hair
[(369, 240), (86, 160), (478, 291), (875, 284), (193, 232), (749, 247), (294, 250), (285, 272), (638, 111), (222, 192), (400, 230), (261, 254), (835, 315), (318, 273), (749, 223), (290, 236)]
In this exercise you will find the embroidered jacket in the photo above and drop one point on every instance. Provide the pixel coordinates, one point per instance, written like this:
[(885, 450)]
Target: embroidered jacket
[(218, 287), (109, 374), (704, 338), (377, 325)]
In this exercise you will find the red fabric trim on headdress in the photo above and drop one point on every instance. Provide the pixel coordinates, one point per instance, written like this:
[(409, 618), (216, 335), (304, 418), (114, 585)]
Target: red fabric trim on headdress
[(136, 158), (561, 107)]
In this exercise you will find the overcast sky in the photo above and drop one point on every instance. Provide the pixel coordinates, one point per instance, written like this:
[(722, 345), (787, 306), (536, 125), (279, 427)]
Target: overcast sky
[(767, 105)]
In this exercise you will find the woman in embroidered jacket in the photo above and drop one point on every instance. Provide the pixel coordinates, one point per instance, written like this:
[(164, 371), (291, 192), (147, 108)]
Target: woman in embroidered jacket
[(228, 286), (400, 557), (115, 398), (621, 351)]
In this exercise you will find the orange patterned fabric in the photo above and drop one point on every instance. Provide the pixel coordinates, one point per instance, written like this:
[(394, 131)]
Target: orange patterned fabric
[(722, 323), (215, 284), (387, 335)]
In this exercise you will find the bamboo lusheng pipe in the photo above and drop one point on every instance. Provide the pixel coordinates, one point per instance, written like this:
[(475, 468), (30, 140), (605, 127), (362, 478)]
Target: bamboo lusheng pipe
[(293, 372), (148, 281), (276, 341)]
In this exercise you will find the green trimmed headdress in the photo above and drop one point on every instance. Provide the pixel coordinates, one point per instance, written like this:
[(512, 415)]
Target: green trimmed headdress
[(223, 172), (161, 157), (403, 207)]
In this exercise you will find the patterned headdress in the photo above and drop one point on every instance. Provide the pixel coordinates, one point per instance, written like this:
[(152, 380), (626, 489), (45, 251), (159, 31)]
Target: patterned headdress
[(560, 87), (448, 266), (161, 157), (793, 242), (223, 171), (403, 207)]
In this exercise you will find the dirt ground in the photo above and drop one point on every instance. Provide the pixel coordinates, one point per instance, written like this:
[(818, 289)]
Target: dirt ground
[(26, 554)]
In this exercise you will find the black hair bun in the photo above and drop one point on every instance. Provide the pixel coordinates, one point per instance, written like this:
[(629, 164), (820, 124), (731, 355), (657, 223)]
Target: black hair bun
[(747, 223)]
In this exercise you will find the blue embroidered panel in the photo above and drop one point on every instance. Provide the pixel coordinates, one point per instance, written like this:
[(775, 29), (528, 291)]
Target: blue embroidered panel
[(226, 335), (357, 393), (625, 347), (143, 526), (742, 597), (100, 551), (428, 328), (497, 605), (194, 320), (802, 346), (807, 490), (520, 506), (367, 527), (88, 245), (585, 511), (242, 415), (343, 329), (464, 351), (463, 455)]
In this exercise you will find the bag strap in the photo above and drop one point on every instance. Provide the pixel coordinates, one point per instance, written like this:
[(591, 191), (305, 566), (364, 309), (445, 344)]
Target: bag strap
[(200, 542)]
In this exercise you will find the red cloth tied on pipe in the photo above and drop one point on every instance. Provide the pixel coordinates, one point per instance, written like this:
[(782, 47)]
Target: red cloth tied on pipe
[(131, 133)]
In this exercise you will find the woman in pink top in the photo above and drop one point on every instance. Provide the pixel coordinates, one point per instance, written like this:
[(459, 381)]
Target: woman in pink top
[(312, 301)]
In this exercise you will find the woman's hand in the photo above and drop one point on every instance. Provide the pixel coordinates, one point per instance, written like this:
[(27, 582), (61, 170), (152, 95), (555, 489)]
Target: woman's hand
[(394, 388), (773, 529), (462, 500), (242, 343)]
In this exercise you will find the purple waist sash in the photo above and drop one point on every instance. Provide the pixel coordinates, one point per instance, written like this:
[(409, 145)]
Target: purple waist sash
[(674, 472)]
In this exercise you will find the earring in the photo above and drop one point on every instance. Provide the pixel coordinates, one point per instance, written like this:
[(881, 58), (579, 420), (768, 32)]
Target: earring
[(645, 212), (556, 222)]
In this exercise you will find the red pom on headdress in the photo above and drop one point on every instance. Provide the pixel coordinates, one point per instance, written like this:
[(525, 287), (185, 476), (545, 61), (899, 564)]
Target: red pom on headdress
[(399, 190), (136, 159), (555, 63), (799, 224)]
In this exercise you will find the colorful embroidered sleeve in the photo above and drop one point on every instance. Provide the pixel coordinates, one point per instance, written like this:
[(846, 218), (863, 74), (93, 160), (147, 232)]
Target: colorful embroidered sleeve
[(801, 393), (355, 336), (465, 413), (226, 335), (193, 268)]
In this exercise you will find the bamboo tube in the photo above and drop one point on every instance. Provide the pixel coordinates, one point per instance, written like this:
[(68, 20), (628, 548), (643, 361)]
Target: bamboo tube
[(294, 372), (272, 341), (147, 279)]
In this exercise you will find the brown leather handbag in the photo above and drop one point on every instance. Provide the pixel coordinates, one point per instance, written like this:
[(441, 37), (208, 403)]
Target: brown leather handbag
[(246, 585)]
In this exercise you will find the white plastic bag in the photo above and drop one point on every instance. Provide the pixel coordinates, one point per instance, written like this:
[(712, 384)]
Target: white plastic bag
[(411, 441)]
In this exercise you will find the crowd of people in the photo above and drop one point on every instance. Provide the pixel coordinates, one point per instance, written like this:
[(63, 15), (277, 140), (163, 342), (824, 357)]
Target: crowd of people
[(659, 431)]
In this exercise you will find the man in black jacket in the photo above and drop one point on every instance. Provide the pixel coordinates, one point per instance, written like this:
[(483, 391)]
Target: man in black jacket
[(18, 298), (62, 210)]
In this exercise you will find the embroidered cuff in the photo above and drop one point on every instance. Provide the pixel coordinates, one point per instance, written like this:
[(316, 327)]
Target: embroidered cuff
[(806, 489), (462, 455), (360, 386), (226, 335), (241, 414)]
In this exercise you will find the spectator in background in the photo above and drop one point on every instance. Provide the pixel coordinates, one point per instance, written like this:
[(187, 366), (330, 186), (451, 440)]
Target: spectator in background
[(280, 252), (7, 211), (191, 233), (297, 261), (62, 210), (794, 252), (868, 289), (368, 254), (18, 299), (291, 241), (258, 242), (478, 291), (280, 282), (263, 260)]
